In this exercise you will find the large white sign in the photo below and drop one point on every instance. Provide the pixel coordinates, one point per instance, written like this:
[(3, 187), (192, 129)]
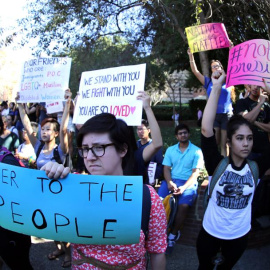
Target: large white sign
[(112, 90), (44, 79)]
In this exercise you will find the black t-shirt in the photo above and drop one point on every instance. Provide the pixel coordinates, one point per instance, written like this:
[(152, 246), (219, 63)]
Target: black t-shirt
[(211, 155), (260, 141)]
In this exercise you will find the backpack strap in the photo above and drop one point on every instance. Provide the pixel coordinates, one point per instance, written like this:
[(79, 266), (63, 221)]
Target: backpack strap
[(5, 152), (39, 149), (254, 170), (221, 167), (56, 155), (146, 209)]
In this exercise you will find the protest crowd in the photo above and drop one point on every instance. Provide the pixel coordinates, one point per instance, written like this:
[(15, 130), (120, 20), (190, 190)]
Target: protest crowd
[(235, 151)]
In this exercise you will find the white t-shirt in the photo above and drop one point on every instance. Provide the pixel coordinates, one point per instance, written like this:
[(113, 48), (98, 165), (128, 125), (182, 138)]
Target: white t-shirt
[(230, 204), (27, 150)]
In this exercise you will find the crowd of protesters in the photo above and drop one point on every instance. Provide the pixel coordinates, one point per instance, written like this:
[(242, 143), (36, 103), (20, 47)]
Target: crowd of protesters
[(107, 146)]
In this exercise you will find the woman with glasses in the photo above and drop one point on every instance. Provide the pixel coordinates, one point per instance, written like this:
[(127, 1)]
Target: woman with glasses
[(227, 97), (107, 146)]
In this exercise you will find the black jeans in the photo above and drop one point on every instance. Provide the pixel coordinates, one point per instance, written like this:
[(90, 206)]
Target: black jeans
[(208, 246)]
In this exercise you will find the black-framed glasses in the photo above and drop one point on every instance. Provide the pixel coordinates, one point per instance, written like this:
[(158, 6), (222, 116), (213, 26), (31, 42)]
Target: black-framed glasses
[(97, 150)]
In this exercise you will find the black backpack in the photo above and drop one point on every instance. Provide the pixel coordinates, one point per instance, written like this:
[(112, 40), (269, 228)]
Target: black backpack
[(56, 155)]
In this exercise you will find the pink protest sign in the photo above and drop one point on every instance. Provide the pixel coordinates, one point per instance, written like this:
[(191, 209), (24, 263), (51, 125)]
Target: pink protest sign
[(206, 37), (249, 63)]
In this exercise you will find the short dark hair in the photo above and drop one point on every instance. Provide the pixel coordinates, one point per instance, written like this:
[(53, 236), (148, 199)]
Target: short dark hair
[(234, 124), (120, 134), (180, 127), (56, 126), (4, 104), (145, 123)]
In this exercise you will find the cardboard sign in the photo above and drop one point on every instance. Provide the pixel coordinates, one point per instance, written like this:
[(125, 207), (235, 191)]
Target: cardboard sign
[(78, 209), (44, 79), (206, 37), (249, 62), (112, 90), (151, 172), (54, 107)]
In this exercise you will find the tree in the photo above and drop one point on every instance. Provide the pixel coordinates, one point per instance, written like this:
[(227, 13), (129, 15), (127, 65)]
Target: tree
[(109, 52), (150, 26)]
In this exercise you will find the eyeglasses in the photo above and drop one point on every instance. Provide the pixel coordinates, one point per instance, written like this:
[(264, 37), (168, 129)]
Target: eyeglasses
[(215, 66), (141, 129), (182, 133), (97, 150)]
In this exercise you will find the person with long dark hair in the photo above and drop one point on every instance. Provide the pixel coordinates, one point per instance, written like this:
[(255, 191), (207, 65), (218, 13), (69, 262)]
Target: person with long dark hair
[(227, 219)]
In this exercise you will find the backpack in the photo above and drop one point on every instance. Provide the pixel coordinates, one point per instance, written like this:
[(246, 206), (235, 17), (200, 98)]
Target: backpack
[(220, 170), (5, 152), (170, 203), (56, 154), (146, 209)]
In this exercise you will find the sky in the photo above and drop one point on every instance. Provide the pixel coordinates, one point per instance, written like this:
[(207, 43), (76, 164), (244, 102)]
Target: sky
[(11, 10)]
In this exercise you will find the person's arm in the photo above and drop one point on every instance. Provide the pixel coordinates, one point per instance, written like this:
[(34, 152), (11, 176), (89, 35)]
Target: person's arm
[(64, 123), (15, 120), (191, 180), (26, 123), (29, 111), (194, 68), (167, 175), (37, 111), (209, 113), (157, 142), (158, 261), (266, 88), (253, 114), (263, 126)]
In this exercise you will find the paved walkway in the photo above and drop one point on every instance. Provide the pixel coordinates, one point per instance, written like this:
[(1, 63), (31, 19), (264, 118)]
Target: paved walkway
[(183, 257)]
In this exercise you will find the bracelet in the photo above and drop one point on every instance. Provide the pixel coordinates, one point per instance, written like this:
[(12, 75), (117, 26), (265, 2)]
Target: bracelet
[(191, 61)]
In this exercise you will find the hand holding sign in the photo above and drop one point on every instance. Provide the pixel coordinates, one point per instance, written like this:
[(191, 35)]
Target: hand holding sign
[(55, 170), (266, 86)]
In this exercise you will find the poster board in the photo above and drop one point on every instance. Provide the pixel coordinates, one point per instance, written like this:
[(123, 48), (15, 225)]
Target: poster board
[(249, 63), (112, 90), (78, 209), (209, 36), (44, 79)]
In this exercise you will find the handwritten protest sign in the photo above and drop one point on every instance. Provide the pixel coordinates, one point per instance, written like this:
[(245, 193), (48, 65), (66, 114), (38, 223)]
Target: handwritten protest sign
[(44, 79), (206, 37), (54, 107), (151, 172), (112, 90), (249, 62), (79, 209)]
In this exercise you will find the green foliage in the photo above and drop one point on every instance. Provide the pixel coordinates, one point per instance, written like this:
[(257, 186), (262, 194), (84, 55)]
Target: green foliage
[(165, 112), (154, 28), (169, 137)]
